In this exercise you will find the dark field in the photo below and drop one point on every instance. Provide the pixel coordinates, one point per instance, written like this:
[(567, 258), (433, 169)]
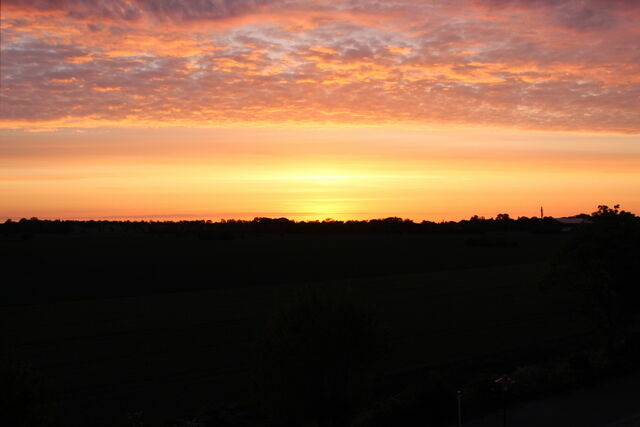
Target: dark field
[(167, 325), (71, 266)]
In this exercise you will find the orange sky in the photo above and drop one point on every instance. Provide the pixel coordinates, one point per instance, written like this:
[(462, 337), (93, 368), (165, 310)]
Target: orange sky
[(303, 173), (310, 109)]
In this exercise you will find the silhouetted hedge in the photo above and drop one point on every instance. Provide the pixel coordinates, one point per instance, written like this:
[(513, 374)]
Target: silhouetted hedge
[(26, 396), (318, 358)]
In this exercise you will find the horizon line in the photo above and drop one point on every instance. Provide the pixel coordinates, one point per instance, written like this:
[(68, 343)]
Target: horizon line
[(171, 218)]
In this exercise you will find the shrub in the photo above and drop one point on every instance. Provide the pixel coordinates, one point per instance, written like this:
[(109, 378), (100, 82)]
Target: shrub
[(25, 395), (318, 357), (428, 401)]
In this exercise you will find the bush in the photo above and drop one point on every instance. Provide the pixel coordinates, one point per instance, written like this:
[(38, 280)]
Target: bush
[(318, 358), (429, 400), (576, 370), (25, 396)]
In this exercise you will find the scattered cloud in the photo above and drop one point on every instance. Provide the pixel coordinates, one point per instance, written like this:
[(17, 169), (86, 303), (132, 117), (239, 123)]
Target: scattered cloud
[(548, 64)]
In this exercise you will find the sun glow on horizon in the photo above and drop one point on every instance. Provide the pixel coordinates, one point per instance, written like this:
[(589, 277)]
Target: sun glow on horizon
[(313, 174), (351, 110)]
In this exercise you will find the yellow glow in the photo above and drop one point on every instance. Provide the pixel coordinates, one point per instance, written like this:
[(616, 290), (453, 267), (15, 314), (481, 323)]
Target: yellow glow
[(313, 173)]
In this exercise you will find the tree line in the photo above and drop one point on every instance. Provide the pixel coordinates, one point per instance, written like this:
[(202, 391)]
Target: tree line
[(261, 225)]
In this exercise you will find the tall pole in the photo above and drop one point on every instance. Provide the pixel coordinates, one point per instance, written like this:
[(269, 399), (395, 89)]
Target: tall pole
[(459, 408), (504, 408), (504, 382), (541, 212)]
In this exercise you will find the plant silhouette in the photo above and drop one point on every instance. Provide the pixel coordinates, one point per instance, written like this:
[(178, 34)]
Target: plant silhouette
[(601, 263), (318, 357)]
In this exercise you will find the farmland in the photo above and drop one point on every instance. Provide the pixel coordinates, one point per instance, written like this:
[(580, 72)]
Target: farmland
[(166, 351)]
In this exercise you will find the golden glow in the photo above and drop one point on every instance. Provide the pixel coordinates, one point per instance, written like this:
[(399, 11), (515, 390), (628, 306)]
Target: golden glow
[(428, 110), (313, 173)]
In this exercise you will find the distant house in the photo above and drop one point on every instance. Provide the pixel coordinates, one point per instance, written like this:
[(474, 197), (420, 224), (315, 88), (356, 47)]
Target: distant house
[(572, 221)]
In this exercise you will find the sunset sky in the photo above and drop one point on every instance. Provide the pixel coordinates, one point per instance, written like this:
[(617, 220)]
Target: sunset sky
[(345, 109)]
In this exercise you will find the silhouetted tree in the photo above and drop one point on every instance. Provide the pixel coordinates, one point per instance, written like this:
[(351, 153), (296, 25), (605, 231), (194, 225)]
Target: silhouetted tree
[(25, 396), (317, 358), (602, 263)]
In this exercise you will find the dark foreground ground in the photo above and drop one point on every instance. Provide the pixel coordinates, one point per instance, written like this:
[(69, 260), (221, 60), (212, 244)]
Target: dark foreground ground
[(165, 327), (612, 403)]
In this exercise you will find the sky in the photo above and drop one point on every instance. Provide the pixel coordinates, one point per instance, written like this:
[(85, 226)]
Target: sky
[(344, 109)]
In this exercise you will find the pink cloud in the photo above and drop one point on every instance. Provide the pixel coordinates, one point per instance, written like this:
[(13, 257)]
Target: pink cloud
[(133, 10), (548, 64)]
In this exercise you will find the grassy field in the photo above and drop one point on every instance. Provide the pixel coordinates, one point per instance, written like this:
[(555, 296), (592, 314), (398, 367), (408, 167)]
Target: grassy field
[(172, 354), (79, 266)]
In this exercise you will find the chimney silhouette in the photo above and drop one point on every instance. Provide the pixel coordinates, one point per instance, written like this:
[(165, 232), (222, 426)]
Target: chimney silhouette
[(541, 212)]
